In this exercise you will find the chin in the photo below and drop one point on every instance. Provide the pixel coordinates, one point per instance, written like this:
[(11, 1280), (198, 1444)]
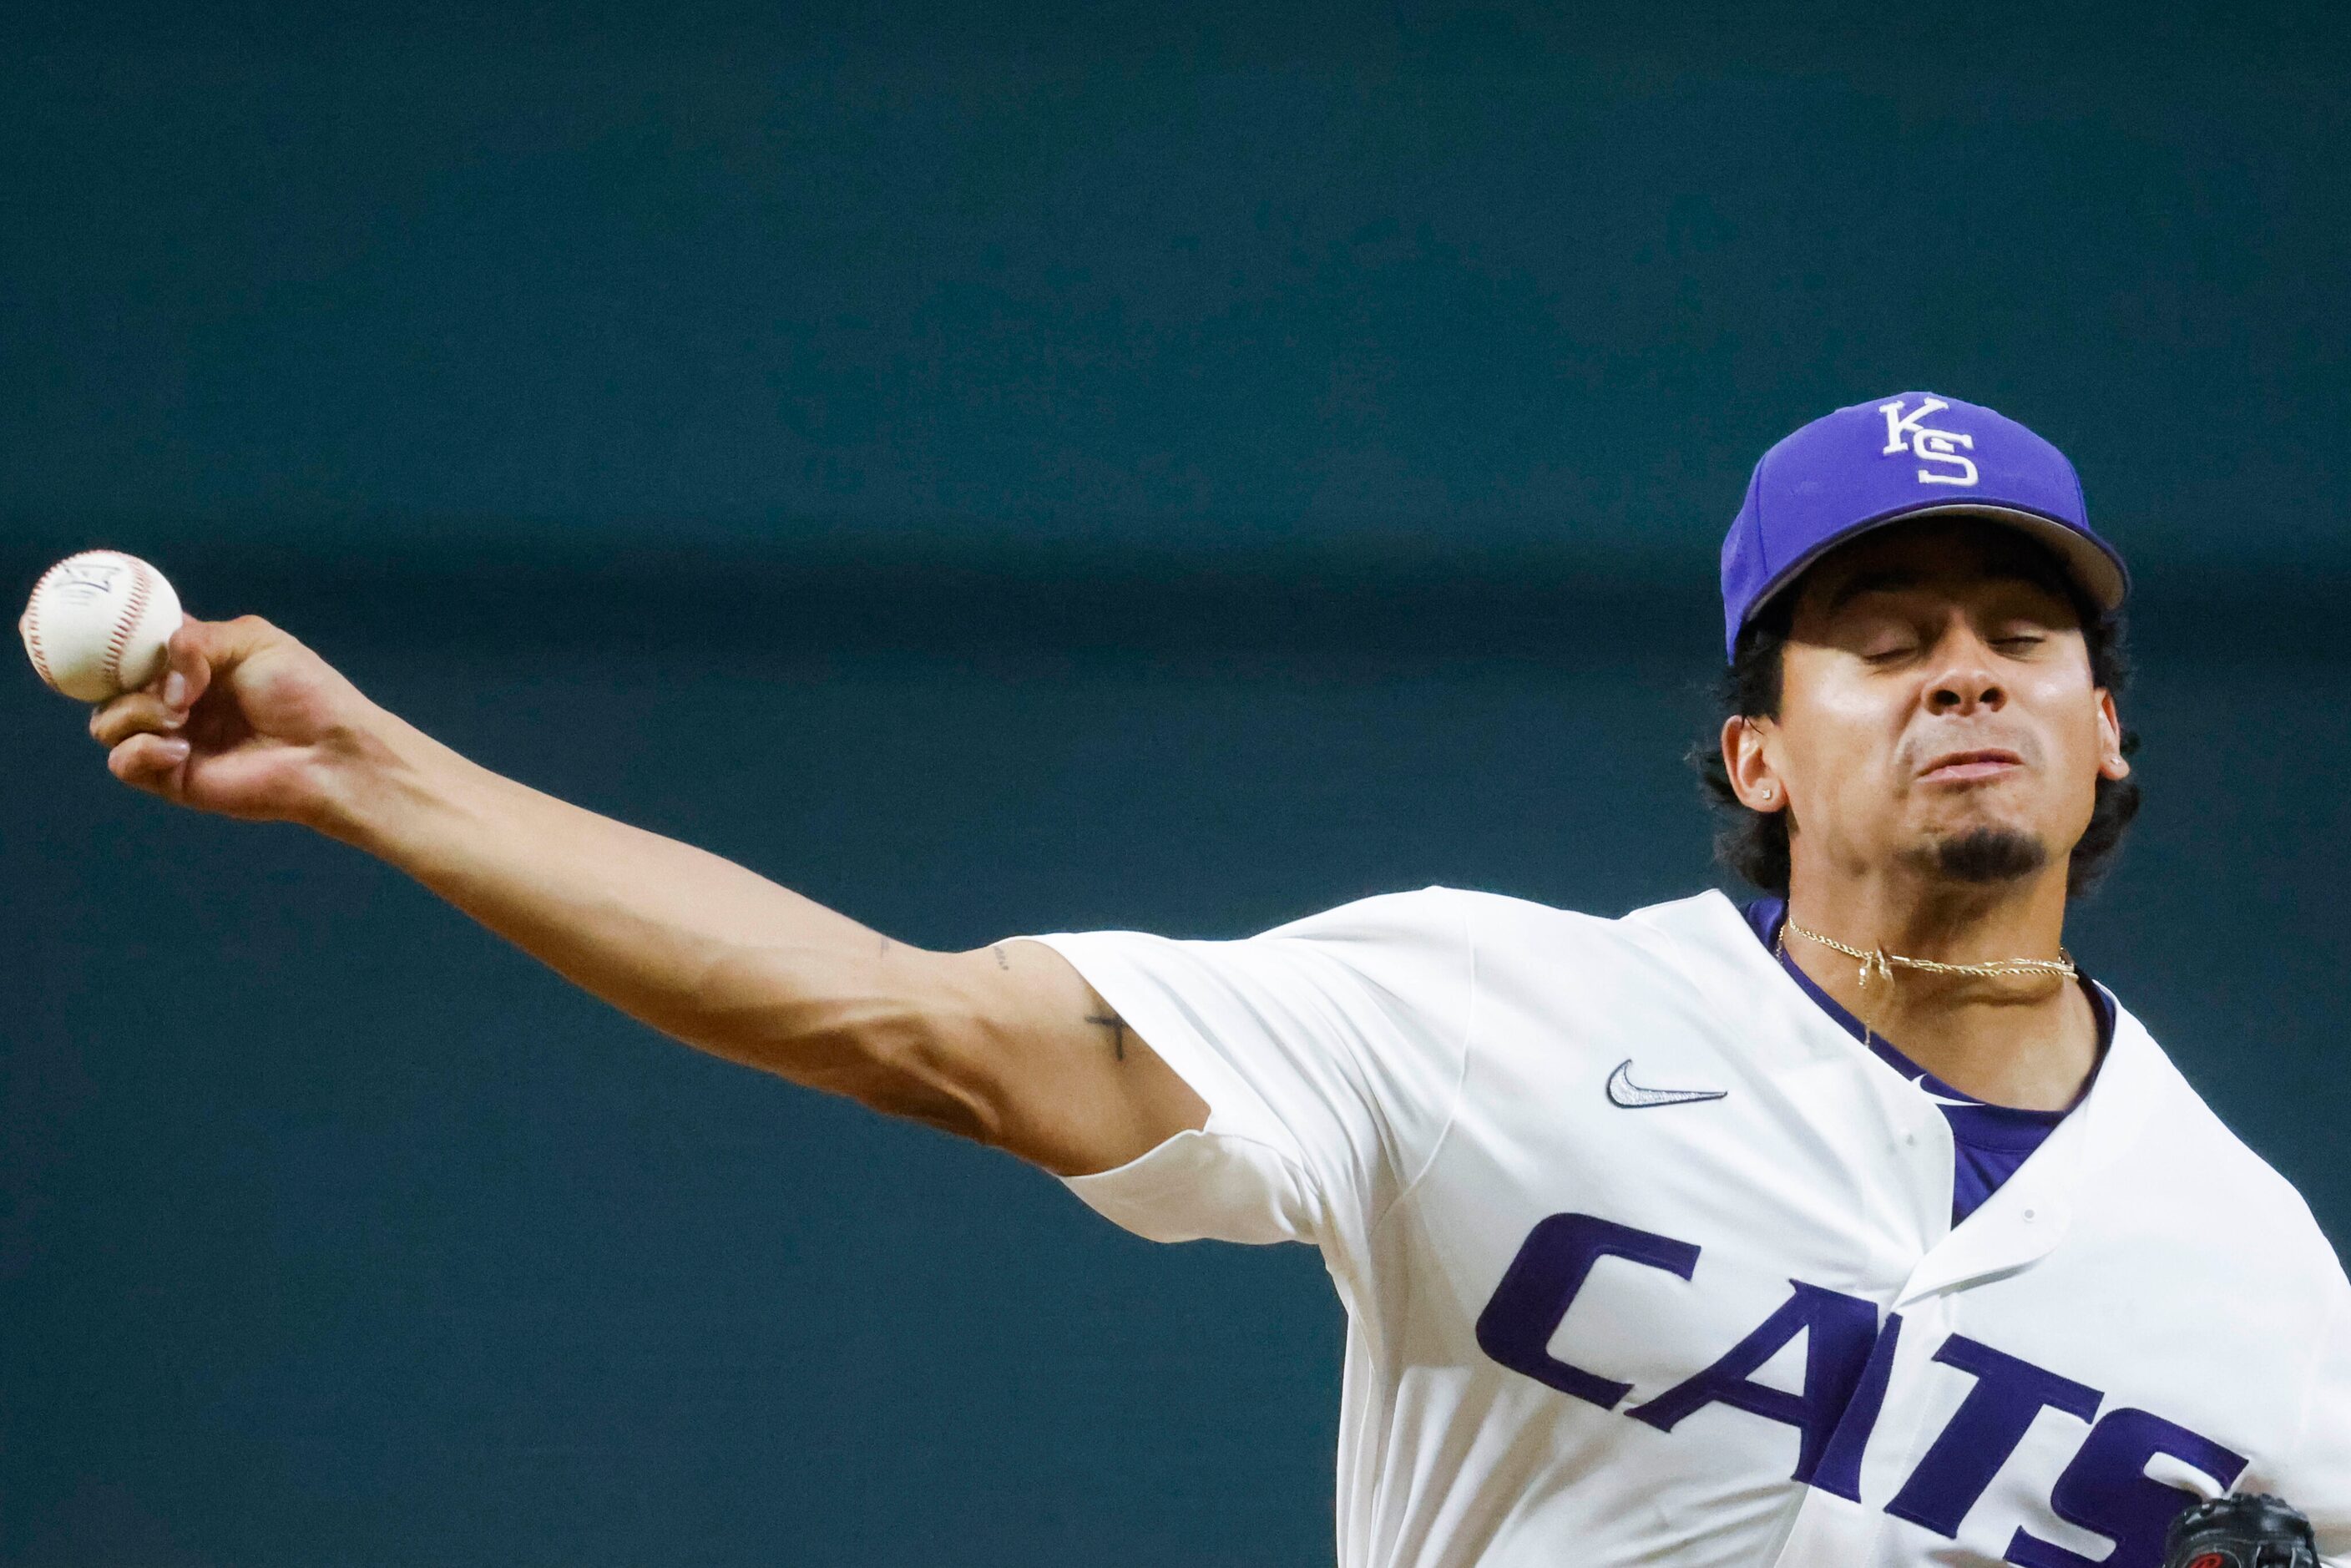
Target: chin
[(1987, 854)]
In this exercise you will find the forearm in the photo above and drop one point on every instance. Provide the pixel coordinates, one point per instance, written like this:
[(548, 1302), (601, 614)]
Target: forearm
[(1008, 1045), (687, 942)]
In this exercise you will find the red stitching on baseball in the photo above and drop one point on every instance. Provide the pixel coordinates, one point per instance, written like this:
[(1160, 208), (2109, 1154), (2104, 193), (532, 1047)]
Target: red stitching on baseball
[(117, 640), (32, 627)]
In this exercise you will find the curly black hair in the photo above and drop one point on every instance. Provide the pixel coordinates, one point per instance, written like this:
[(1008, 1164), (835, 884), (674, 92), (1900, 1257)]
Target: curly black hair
[(1754, 845)]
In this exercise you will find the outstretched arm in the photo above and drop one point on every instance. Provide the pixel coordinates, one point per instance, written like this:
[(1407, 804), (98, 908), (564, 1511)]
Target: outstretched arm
[(1007, 1044)]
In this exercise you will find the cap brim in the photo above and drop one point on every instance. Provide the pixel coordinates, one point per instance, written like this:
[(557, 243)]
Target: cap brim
[(2095, 569)]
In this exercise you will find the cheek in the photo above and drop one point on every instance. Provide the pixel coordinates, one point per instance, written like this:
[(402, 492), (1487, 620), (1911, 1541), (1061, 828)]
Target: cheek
[(2076, 742), (1861, 718), (2084, 744), (1853, 717), (1840, 743), (2071, 715)]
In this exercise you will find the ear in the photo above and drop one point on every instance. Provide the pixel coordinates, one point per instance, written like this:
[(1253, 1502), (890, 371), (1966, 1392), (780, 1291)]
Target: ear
[(1747, 758), (2112, 763)]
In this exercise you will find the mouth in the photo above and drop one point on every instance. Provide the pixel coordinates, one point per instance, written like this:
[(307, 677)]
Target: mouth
[(1970, 767)]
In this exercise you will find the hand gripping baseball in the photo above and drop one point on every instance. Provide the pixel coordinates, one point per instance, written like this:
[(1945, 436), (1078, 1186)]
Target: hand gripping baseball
[(245, 721)]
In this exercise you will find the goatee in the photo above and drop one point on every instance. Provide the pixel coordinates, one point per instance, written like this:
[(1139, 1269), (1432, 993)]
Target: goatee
[(1985, 855)]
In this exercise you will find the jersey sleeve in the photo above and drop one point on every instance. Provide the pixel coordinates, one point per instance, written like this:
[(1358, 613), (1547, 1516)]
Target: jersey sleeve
[(1329, 1052)]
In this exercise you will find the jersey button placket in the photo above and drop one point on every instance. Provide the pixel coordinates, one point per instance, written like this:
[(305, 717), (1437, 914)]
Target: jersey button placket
[(1827, 1528), (1928, 1157), (1908, 1425)]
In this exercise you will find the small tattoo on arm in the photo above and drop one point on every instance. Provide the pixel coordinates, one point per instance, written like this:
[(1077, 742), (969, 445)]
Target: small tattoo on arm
[(1117, 1026), (1001, 961)]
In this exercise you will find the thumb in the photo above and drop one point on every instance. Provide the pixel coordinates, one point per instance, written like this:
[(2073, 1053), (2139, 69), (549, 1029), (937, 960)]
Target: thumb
[(201, 650)]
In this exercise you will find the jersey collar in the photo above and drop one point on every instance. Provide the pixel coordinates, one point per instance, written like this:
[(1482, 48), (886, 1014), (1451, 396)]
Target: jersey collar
[(1988, 1123), (2033, 1209)]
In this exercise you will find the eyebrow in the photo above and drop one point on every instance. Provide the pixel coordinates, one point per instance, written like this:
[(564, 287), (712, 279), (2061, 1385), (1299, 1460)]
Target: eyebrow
[(1894, 581), (1870, 582)]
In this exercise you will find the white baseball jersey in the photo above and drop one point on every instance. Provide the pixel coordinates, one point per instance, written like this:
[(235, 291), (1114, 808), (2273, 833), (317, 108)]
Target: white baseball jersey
[(1647, 1260)]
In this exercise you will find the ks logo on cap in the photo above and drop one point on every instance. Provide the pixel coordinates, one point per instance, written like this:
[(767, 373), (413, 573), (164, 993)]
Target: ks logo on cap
[(1871, 463), (1905, 434)]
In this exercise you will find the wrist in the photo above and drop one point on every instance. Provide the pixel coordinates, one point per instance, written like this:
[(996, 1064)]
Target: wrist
[(379, 780)]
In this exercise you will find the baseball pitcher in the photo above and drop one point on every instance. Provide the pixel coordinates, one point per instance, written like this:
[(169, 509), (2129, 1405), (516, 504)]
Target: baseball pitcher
[(1855, 1225)]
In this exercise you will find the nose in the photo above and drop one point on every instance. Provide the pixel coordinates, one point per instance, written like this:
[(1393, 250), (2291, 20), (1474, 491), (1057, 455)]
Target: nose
[(1966, 680)]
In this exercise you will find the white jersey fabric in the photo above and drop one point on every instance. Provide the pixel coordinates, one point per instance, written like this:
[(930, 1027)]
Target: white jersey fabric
[(1601, 1327)]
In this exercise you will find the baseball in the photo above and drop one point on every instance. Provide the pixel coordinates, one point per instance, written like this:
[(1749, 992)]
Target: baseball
[(97, 624)]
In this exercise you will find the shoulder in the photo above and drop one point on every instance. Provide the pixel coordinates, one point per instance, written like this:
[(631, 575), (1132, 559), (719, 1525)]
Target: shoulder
[(1490, 941), (1703, 918), (1683, 940), (2188, 1164), (1441, 914), (1422, 914)]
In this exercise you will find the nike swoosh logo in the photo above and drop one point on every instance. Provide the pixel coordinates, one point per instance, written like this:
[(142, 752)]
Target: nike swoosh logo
[(1623, 1090), (1919, 1083)]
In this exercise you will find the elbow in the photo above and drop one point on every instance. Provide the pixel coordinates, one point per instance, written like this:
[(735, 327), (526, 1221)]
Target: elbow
[(927, 1080), (908, 1063), (908, 1044)]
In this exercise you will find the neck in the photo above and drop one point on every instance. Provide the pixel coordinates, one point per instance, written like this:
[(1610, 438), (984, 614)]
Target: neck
[(2023, 1040)]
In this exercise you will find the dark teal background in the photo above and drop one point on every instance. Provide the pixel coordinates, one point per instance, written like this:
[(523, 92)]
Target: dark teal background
[(996, 471), (1204, 275)]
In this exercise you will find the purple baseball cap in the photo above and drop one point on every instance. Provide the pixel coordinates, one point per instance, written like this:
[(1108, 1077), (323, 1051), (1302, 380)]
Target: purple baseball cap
[(1904, 456)]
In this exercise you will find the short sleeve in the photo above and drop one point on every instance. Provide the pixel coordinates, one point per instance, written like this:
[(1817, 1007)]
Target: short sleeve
[(1329, 1052)]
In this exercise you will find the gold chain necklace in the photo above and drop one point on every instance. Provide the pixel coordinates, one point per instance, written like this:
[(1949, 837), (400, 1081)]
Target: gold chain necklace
[(1882, 964)]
